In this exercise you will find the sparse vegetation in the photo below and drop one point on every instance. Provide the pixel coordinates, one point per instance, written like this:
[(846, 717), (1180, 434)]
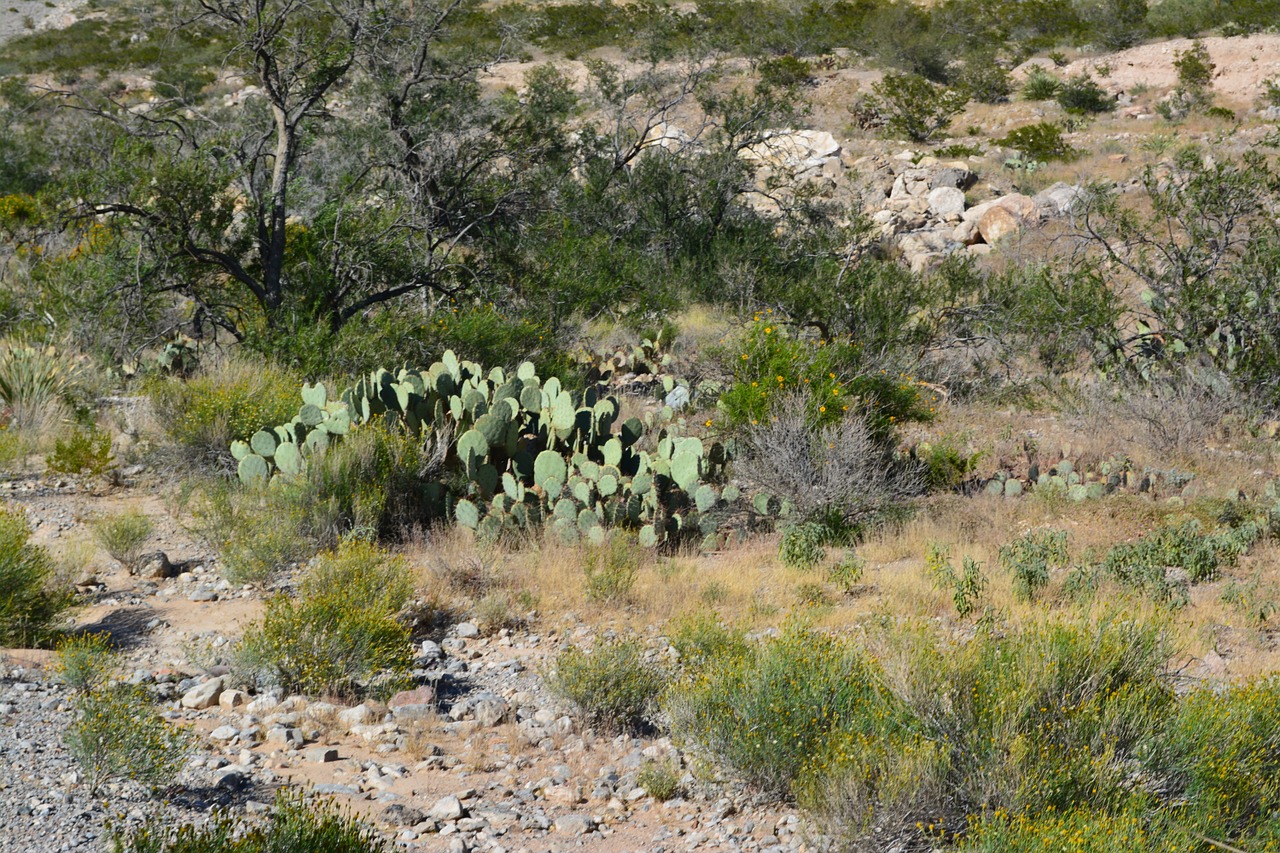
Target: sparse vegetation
[(31, 597), (117, 736), (612, 686), (123, 535)]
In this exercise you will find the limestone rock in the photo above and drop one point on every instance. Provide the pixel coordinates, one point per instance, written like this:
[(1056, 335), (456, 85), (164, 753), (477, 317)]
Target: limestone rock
[(203, 695), (997, 223), (946, 201)]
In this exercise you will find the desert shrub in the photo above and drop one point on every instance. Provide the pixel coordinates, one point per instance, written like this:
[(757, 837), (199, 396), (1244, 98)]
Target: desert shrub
[(295, 825), (784, 72), (1081, 95), (84, 452), (847, 573), (1145, 565), (1195, 71), (1040, 141), (1030, 557), (610, 569), (700, 637), (256, 532), (612, 686), (801, 545), (914, 107), (86, 662), (766, 713), (986, 81), (1115, 24), (1040, 85), (1221, 749), (340, 636), (660, 779), (947, 463), (1179, 411), (1033, 722), (118, 736), (966, 586), (123, 535), (1140, 825), (31, 599), (229, 400), (374, 481), (836, 474), (39, 384)]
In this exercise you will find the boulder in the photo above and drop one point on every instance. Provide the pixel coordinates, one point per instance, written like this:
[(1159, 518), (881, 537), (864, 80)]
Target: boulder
[(447, 808), (1021, 206), (203, 695), (418, 704), (997, 223), (155, 565), (793, 150), (1059, 199), (945, 202), (953, 177)]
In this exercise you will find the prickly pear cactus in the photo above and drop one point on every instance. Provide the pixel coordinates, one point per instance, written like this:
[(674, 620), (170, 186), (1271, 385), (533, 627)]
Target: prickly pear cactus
[(527, 452)]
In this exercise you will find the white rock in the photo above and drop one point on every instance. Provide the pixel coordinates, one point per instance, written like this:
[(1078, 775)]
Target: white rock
[(946, 201), (446, 808), (203, 695)]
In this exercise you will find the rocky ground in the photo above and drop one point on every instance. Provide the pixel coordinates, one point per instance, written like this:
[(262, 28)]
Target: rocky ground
[(478, 757)]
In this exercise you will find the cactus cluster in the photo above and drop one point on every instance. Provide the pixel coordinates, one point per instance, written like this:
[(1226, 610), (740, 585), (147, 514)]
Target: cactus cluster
[(526, 452), (1081, 482)]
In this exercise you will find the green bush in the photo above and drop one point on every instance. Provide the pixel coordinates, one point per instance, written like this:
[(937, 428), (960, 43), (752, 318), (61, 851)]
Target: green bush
[(294, 825), (1081, 95), (39, 384), (610, 569), (966, 586), (848, 572), (123, 535), (700, 637), (801, 545), (1040, 85), (1040, 141), (86, 662), (1195, 71), (257, 533), (947, 464), (769, 364), (1144, 565), (986, 81), (229, 400), (1030, 557), (660, 779), (117, 735), (612, 686), (85, 452), (914, 107), (31, 599), (1222, 750), (340, 636), (1139, 826), (767, 713)]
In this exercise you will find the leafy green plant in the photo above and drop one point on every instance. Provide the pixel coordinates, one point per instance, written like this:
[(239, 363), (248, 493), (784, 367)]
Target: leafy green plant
[(612, 686), (801, 545), (1081, 95), (1195, 71), (1030, 557), (117, 735), (31, 599), (1040, 141), (847, 573), (86, 662), (660, 779), (85, 452), (295, 825), (966, 586), (340, 636), (700, 637), (123, 535), (38, 383), (914, 107), (610, 569), (1145, 564), (947, 463)]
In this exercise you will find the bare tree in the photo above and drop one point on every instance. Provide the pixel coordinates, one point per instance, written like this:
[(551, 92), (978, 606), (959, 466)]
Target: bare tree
[(839, 469)]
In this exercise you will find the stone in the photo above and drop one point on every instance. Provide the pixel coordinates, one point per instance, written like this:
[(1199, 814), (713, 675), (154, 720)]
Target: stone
[(155, 565), (966, 232), (204, 695), (1022, 206), (953, 177), (358, 716), (466, 630), (998, 223), (416, 704), (575, 824), (223, 733), (1059, 199), (229, 700), (793, 150), (447, 808), (946, 201)]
